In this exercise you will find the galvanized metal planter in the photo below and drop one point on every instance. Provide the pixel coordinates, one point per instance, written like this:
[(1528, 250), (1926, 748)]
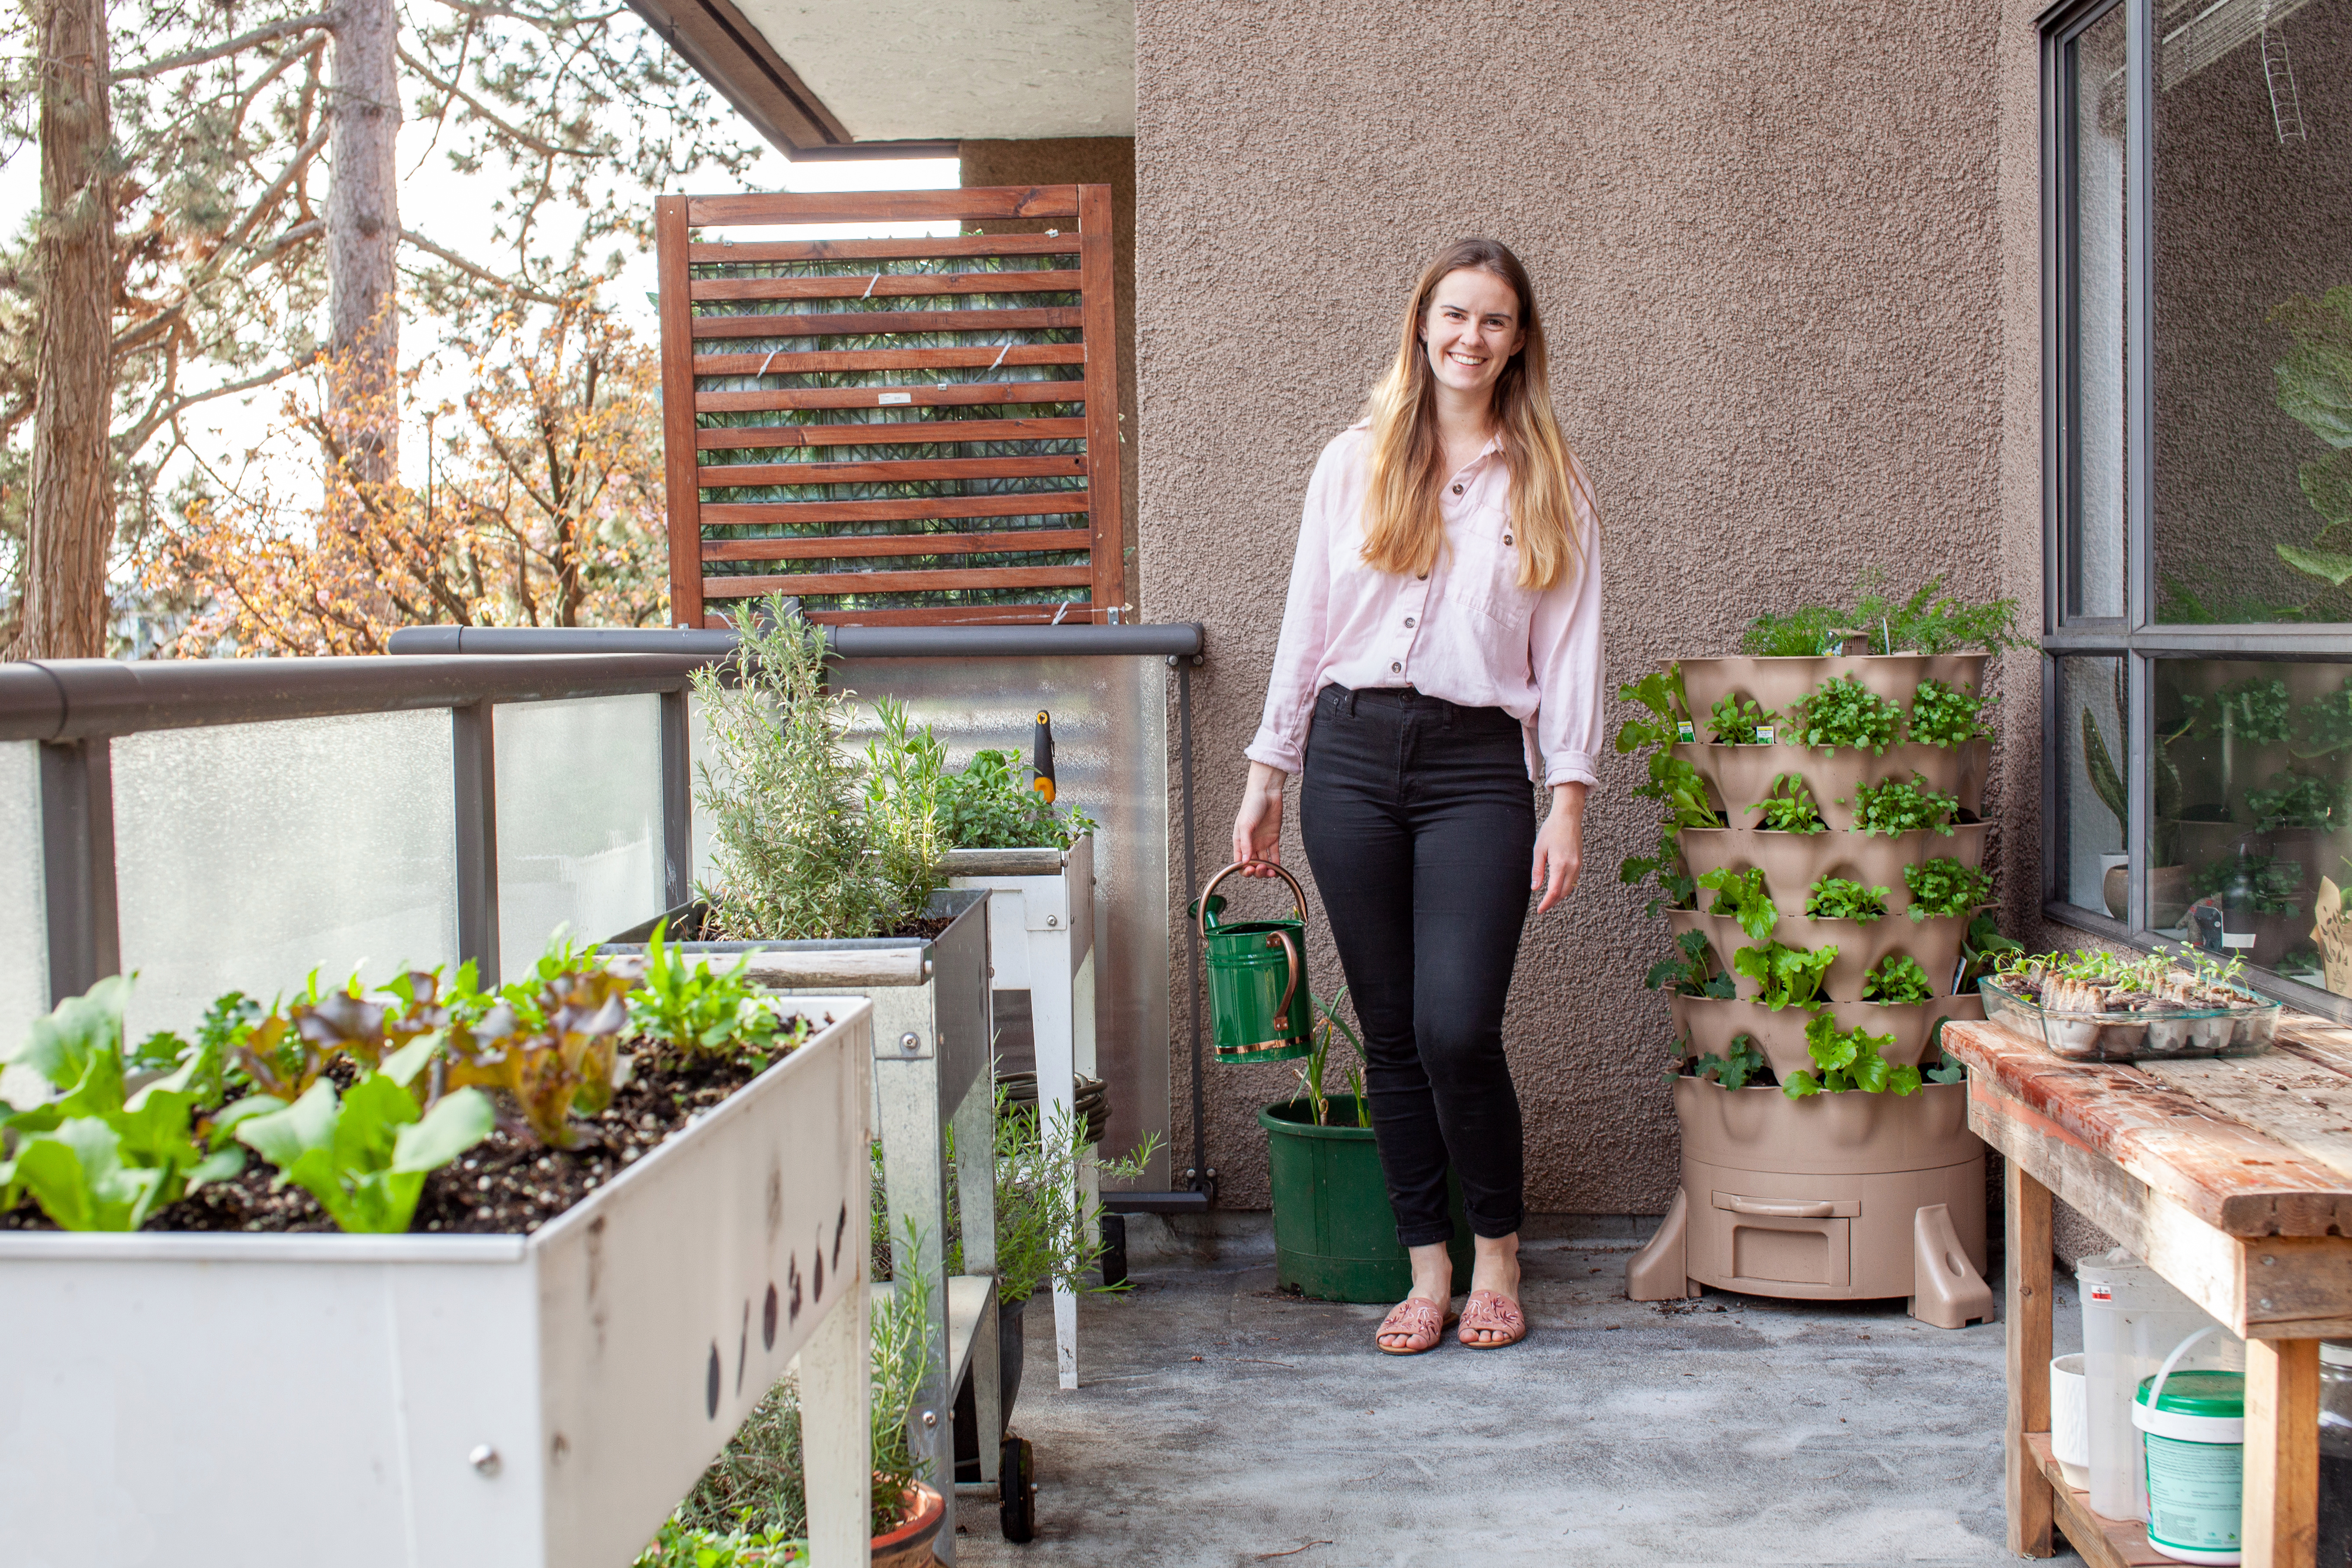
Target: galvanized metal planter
[(216, 1401)]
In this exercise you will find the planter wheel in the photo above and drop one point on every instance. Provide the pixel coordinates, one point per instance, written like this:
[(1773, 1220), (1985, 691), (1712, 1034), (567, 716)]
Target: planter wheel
[(1017, 1485)]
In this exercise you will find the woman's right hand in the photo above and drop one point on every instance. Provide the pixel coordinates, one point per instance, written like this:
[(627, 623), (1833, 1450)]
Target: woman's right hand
[(1257, 828)]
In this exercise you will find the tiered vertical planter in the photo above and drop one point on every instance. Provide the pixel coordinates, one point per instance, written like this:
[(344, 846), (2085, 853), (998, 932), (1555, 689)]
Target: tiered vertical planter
[(1833, 1196)]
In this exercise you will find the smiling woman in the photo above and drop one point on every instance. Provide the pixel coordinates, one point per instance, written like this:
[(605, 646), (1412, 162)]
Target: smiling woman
[(1441, 648)]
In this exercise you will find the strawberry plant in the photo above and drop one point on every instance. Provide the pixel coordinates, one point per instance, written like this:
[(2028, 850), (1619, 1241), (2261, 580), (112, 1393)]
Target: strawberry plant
[(1843, 712), (1897, 979), (1742, 896), (1848, 1059), (1836, 899), (1734, 722), (1690, 970), (1944, 887), (1789, 976), (1944, 715), (1788, 807), (1903, 806)]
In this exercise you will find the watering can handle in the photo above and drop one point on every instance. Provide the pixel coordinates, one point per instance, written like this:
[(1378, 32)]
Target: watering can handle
[(1290, 988), (1298, 899)]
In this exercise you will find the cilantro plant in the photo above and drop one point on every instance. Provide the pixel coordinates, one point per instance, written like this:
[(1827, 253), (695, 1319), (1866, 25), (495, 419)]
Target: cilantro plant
[(1742, 896), (1836, 899), (1944, 715), (1734, 722), (1734, 1070), (1690, 971), (1789, 976), (1901, 806), (1944, 887), (1843, 712), (1897, 979), (1788, 807), (1848, 1059)]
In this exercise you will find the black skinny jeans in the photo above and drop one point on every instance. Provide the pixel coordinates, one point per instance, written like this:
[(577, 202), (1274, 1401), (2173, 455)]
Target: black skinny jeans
[(1419, 823)]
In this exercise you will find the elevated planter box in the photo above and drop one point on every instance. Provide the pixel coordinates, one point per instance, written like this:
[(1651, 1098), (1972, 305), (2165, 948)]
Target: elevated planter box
[(219, 1401)]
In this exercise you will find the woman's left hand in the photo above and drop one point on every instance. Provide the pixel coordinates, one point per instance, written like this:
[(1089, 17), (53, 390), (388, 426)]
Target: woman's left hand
[(1559, 847)]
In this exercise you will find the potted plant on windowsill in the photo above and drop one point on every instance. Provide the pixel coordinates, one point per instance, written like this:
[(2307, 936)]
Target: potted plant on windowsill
[(541, 1315)]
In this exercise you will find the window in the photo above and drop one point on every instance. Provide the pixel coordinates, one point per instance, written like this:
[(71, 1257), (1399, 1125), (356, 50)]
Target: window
[(2197, 313)]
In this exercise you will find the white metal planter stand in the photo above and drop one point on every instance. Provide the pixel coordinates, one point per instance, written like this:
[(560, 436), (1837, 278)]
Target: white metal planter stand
[(1041, 928), (421, 1401)]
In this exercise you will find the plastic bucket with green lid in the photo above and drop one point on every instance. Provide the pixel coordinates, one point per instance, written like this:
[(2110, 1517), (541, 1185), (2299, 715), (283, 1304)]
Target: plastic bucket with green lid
[(2193, 1434)]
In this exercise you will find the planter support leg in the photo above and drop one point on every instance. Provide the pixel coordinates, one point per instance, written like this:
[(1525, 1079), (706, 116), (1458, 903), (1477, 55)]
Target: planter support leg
[(914, 1175), (1658, 1272), (975, 1144), (1055, 1015), (1946, 1291), (836, 1395)]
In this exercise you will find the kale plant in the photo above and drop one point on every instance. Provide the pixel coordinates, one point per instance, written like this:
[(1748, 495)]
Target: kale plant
[(1788, 807), (1789, 976), (1944, 715), (1836, 899), (1742, 896), (1736, 722), (1903, 806), (1690, 971), (1848, 1059), (1897, 979), (1944, 887), (1843, 712)]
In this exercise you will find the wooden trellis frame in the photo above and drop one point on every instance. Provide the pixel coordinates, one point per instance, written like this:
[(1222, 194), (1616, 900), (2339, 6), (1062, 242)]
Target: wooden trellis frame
[(991, 282)]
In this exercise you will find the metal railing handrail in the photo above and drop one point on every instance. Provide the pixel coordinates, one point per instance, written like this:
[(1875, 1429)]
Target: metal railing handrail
[(1176, 639)]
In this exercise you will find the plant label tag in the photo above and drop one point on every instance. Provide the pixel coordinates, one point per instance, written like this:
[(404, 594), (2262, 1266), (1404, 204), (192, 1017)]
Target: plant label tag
[(1764, 735), (2234, 939), (2102, 1293), (1685, 733), (889, 398)]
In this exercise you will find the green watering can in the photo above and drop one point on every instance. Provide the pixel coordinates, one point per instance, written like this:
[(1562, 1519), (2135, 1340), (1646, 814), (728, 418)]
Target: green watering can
[(1260, 1007)]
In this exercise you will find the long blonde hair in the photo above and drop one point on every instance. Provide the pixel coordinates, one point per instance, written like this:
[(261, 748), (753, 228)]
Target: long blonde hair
[(1403, 526)]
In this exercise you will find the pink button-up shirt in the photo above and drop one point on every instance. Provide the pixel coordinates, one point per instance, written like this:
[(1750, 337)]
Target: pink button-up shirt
[(1467, 633)]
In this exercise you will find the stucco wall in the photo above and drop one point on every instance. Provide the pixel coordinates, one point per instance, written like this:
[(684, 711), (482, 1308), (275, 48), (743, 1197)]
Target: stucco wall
[(1787, 255)]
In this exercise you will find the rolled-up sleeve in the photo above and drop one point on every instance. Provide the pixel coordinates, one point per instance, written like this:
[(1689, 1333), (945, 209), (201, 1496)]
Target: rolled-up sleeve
[(1281, 739), (1564, 655)]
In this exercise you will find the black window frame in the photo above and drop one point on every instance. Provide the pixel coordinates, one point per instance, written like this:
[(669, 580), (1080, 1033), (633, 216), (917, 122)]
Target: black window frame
[(2137, 637)]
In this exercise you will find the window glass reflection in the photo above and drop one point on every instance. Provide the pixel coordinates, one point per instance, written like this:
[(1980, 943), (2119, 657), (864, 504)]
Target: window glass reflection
[(2093, 561), (2092, 805)]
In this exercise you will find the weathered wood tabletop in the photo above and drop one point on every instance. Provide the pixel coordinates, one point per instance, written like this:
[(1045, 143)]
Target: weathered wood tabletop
[(2233, 1179)]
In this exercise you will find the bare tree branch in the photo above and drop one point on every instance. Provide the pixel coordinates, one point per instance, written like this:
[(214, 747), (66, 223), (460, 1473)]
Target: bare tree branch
[(242, 41), (484, 274), (548, 149), (132, 440)]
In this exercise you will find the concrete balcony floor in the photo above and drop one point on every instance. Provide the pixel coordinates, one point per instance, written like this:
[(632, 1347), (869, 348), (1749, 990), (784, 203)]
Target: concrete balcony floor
[(1220, 1423)]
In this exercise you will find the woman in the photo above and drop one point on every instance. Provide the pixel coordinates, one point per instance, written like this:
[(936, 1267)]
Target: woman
[(1441, 647)]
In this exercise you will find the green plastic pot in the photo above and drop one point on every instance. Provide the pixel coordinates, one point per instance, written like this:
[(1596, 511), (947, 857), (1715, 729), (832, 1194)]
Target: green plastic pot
[(1334, 1233)]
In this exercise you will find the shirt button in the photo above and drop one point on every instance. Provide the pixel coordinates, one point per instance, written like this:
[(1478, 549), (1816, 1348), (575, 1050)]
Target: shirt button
[(1507, 539), (1395, 668), (1421, 577), (1408, 620), (1457, 490)]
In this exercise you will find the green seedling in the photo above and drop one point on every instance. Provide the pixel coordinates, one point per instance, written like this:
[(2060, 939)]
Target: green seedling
[(364, 1155), (1846, 1060), (1690, 971), (1901, 806), (1789, 807), (1836, 898), (1944, 887), (1843, 712), (1897, 979), (1736, 722), (1944, 715), (1789, 976), (694, 1008), (1742, 896), (1733, 1071)]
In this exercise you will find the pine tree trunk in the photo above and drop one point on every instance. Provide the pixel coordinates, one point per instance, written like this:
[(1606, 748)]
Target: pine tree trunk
[(363, 239), (71, 526)]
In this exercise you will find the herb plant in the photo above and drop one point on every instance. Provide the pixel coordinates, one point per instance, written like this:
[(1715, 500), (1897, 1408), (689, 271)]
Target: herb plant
[(2256, 711), (1676, 787), (1736, 722), (1788, 807), (1843, 712), (1734, 1070), (1848, 1059), (1896, 980), (1314, 1068), (695, 1009), (990, 805), (1789, 976), (1690, 971), (1901, 806), (1930, 621), (1944, 887), (1836, 899), (1665, 711), (1742, 896), (1943, 715)]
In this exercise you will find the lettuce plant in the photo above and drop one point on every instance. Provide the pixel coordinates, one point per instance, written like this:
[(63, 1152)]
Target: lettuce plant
[(1734, 722), (1944, 715), (1843, 712), (365, 1155), (1903, 806), (1836, 898), (1788, 807), (1944, 887), (1897, 979), (1742, 896), (1789, 976), (553, 1049), (1848, 1059), (1668, 710)]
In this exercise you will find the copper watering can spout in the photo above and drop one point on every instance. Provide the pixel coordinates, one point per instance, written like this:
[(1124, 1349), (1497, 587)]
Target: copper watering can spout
[(1259, 1001)]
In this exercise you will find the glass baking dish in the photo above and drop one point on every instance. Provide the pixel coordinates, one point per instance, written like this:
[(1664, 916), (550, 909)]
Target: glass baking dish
[(2162, 1031)]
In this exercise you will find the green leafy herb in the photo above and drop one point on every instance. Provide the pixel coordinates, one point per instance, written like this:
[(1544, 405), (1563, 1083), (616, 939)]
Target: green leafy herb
[(1736, 722), (992, 805), (1734, 1070), (365, 1155), (1661, 693), (1897, 979), (695, 1009), (1843, 712), (1942, 715), (1789, 976), (1789, 807), (1901, 806), (1848, 1059), (2297, 800), (1950, 1070), (1742, 896), (1944, 887), (1836, 899), (2257, 710), (1930, 621), (1691, 970)]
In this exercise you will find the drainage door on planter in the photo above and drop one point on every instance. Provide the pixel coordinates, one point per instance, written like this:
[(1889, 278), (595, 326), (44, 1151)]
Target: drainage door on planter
[(1334, 1233), (463, 1401), (1041, 930)]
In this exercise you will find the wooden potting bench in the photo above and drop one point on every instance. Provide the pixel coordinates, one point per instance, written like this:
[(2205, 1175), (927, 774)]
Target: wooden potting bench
[(2232, 1180)]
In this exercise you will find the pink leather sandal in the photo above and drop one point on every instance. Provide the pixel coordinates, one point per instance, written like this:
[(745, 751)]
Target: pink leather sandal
[(1422, 1321), (1485, 1312)]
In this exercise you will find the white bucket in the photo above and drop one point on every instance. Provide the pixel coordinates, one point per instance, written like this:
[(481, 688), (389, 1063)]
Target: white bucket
[(2070, 1419), (2195, 1463)]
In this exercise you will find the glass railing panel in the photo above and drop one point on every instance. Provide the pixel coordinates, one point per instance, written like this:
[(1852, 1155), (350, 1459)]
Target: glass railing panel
[(579, 821), (24, 976), (249, 855)]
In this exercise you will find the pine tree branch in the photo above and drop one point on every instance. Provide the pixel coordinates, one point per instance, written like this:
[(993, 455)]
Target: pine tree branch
[(515, 134), (472, 270), (244, 41)]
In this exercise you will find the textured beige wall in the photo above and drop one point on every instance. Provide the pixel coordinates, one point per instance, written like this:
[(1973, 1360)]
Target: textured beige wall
[(1787, 255)]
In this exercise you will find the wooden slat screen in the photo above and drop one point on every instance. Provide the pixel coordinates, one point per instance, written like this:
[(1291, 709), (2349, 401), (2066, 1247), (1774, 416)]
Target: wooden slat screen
[(899, 431)]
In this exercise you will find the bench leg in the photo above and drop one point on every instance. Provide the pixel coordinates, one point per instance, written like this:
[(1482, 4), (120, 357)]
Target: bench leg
[(2026, 1209), (2282, 1507)]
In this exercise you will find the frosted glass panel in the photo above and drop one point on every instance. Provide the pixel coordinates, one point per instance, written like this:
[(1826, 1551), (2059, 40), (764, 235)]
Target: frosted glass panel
[(247, 855), (24, 976), (579, 820)]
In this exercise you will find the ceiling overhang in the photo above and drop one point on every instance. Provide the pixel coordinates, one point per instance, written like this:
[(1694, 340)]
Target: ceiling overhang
[(841, 77)]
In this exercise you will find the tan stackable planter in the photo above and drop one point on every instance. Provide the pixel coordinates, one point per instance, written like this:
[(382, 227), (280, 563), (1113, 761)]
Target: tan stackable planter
[(1792, 862), (1777, 683), (1710, 1025), (1742, 775)]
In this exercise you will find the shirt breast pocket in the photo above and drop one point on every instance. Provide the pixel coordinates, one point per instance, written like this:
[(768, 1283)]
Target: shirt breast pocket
[(1494, 591)]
